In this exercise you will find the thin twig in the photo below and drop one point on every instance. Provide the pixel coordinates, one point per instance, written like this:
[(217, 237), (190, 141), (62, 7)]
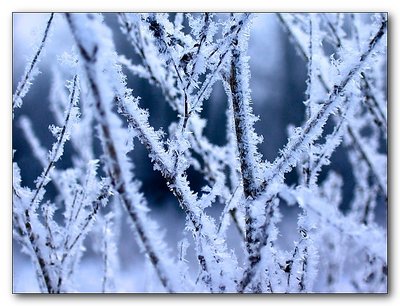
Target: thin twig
[(20, 91)]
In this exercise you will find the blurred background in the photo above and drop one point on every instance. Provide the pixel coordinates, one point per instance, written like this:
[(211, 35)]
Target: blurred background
[(278, 87)]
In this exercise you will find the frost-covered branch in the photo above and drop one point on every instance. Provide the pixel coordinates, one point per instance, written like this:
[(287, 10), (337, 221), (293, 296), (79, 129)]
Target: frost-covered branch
[(25, 221), (313, 127), (305, 136), (370, 100), (62, 135), (354, 140), (202, 226), (31, 69), (109, 126), (247, 140)]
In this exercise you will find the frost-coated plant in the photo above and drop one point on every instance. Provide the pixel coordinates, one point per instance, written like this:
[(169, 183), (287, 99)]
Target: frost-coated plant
[(184, 55)]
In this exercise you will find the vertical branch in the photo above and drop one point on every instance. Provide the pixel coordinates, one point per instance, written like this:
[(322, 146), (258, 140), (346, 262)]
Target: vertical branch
[(247, 140), (245, 135), (244, 119)]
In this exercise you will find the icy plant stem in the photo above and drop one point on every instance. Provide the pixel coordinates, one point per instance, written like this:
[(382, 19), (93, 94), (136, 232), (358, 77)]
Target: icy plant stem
[(72, 241), (249, 158), (115, 171), (33, 238), (54, 154), (370, 99), (242, 124), (38, 151), (179, 185), (225, 51), (24, 84), (313, 127), (246, 147), (373, 105), (309, 133), (352, 134)]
